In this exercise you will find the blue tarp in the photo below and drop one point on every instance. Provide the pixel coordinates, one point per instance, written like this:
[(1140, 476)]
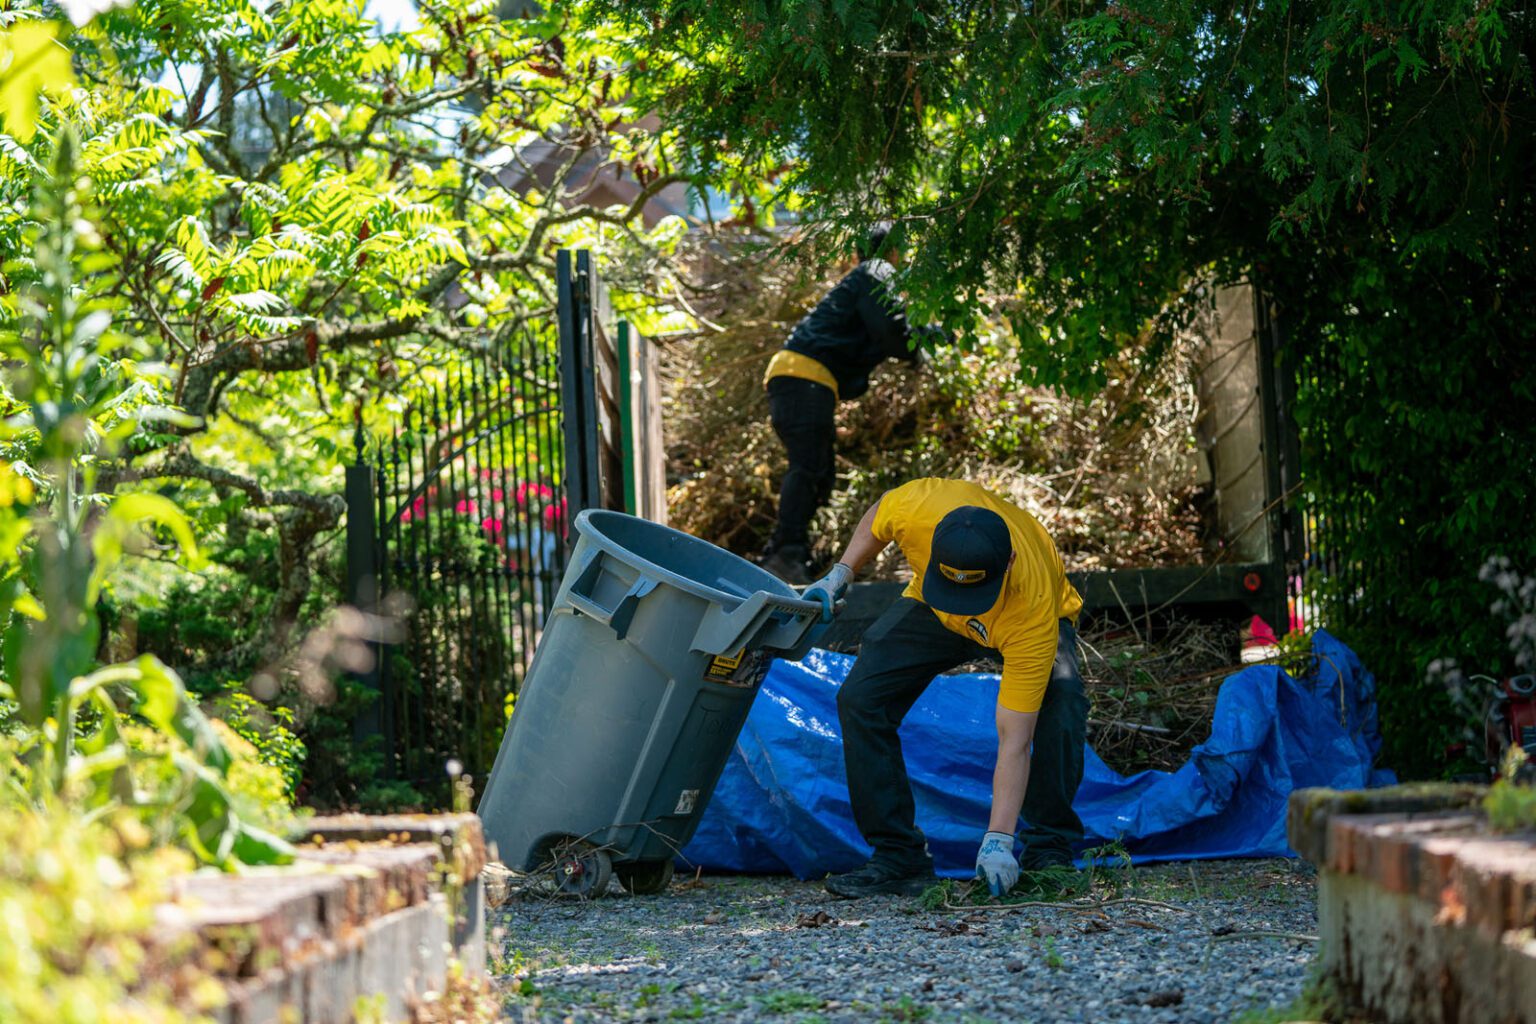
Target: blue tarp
[(782, 803)]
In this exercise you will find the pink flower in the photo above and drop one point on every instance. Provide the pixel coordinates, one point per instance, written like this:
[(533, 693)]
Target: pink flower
[(497, 494), (418, 510), (525, 491), (554, 517)]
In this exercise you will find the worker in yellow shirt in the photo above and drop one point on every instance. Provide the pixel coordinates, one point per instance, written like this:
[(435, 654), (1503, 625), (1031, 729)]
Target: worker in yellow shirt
[(987, 581), (828, 358)]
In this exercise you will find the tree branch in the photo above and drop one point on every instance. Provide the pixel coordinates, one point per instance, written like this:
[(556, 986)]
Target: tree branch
[(178, 462), (584, 212)]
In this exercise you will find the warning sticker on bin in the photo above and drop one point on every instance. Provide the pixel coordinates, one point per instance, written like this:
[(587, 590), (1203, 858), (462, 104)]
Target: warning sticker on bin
[(687, 800), (723, 666)]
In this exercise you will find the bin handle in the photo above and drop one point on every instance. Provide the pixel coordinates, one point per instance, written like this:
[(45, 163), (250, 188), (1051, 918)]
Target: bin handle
[(622, 614), (726, 632)]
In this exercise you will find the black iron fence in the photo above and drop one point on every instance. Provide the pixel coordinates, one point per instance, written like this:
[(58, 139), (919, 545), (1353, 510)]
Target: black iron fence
[(1314, 523), (458, 519)]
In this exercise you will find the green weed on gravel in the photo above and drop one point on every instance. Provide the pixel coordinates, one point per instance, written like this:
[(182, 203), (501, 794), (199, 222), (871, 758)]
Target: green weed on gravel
[(1107, 874), (1319, 1001), (789, 1001), (1280, 881), (905, 1010), (698, 1008)]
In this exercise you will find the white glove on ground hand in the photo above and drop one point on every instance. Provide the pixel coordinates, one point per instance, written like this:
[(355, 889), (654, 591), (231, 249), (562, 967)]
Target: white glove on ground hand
[(996, 863), (829, 589)]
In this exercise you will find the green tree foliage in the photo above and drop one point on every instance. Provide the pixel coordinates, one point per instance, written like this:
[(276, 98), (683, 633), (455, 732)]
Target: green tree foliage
[(1075, 163), (308, 218), (68, 381), (1075, 166), (310, 215), (271, 736)]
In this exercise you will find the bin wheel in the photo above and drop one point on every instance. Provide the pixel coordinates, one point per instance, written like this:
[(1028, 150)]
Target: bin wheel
[(645, 878), (582, 870)]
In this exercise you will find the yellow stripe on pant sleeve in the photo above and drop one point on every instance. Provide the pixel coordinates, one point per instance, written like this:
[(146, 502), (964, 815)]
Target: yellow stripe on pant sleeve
[(795, 364)]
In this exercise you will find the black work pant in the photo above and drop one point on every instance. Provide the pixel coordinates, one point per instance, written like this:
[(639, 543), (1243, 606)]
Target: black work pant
[(901, 653), (802, 414)]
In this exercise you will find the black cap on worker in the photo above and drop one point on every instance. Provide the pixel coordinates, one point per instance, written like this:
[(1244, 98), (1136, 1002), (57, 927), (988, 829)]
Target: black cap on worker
[(967, 561)]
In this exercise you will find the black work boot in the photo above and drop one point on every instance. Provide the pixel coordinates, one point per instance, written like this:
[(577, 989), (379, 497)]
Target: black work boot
[(788, 564), (875, 879)]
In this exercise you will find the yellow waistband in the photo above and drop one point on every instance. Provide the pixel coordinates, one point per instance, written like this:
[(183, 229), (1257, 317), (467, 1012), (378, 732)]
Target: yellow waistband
[(794, 364)]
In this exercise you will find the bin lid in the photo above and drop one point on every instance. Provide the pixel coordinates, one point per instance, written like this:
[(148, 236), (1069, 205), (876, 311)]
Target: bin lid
[(678, 559)]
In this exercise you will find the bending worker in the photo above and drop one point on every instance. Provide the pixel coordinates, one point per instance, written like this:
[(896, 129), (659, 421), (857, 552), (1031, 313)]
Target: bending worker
[(829, 357), (987, 581)]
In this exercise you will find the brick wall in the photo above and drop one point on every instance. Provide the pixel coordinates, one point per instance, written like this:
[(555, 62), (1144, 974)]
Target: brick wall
[(373, 908), (1424, 914)]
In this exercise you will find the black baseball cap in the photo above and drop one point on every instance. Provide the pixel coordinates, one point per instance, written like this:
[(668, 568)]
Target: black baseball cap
[(967, 561)]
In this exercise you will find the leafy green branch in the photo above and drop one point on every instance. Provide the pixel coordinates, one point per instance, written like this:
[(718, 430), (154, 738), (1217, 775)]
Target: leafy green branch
[(65, 366)]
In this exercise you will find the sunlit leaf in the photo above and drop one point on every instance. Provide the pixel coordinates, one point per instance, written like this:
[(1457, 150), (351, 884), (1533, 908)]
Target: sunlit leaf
[(32, 59)]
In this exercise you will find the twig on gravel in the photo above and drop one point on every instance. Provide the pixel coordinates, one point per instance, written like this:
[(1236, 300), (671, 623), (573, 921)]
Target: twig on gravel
[(1076, 908), (1294, 936)]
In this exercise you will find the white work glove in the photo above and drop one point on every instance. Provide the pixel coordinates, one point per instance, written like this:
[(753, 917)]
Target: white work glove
[(996, 863), (829, 590)]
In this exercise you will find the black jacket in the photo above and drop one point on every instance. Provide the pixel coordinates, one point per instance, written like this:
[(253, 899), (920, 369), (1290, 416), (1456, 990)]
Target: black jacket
[(855, 328)]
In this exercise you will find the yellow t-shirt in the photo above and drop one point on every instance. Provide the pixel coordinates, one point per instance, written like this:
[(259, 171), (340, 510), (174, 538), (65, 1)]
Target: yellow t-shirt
[(1023, 624)]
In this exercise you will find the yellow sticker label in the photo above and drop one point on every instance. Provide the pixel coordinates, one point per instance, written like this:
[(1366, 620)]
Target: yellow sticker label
[(962, 575), (723, 666)]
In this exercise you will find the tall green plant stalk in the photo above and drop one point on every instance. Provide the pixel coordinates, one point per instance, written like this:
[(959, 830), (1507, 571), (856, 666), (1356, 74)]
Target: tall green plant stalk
[(59, 344), (72, 398)]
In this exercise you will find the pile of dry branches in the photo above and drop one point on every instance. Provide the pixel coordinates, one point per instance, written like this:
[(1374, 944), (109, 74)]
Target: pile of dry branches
[(1152, 697), (1114, 478)]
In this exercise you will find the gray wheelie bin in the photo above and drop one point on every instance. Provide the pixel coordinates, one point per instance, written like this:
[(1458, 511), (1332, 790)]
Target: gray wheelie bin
[(653, 651)]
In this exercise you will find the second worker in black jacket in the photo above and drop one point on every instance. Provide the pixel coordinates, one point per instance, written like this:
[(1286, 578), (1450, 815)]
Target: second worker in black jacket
[(828, 358)]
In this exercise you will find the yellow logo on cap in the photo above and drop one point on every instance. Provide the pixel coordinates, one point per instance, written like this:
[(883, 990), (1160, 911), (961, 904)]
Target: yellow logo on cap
[(962, 575)]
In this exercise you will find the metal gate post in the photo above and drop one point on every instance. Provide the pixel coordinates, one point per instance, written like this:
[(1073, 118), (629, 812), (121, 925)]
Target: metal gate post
[(584, 292), (1279, 460), (627, 413), (578, 400), (362, 593)]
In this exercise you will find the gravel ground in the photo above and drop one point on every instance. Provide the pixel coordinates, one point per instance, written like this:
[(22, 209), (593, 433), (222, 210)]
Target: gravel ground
[(776, 949)]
